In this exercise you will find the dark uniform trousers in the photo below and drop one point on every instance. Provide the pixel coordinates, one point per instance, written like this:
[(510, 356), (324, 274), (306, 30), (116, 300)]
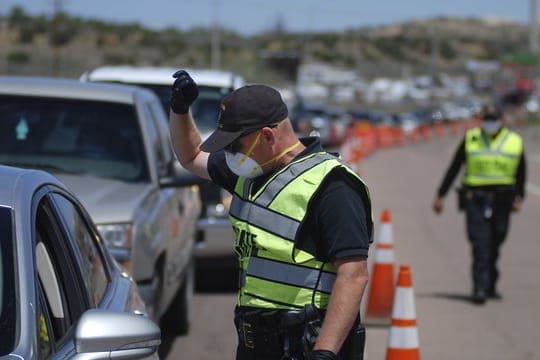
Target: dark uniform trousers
[(264, 337), (487, 223)]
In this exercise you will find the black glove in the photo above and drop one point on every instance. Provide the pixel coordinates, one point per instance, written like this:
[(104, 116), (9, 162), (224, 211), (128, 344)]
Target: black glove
[(322, 355), (184, 92)]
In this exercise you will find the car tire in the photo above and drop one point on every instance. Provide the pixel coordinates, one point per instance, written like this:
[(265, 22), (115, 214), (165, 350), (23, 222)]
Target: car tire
[(177, 318)]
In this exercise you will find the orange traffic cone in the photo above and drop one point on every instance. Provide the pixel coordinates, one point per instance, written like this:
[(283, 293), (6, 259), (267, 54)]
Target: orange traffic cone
[(381, 291), (403, 342), (350, 152)]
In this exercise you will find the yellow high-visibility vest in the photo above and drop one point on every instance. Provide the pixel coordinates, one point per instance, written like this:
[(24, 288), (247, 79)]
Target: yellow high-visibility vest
[(274, 273), (491, 162)]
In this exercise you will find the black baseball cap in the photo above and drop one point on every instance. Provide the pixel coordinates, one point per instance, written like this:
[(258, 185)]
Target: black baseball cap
[(244, 110), (491, 112)]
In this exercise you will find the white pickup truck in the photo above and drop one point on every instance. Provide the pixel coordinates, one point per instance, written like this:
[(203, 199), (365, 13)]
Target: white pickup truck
[(110, 145), (214, 235)]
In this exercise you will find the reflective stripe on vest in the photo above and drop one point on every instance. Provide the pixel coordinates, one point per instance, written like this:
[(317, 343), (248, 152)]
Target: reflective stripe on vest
[(291, 274), (492, 162), (261, 217), (275, 274)]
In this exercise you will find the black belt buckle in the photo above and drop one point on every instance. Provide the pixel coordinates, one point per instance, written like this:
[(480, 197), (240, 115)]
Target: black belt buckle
[(249, 340)]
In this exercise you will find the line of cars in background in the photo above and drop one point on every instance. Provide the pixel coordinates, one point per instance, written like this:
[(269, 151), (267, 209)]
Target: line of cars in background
[(332, 123)]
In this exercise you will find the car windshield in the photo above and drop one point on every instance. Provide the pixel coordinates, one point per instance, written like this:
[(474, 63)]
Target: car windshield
[(205, 109), (8, 301), (69, 136)]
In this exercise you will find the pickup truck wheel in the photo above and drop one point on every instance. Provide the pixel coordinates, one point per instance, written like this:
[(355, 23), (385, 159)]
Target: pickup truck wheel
[(177, 318)]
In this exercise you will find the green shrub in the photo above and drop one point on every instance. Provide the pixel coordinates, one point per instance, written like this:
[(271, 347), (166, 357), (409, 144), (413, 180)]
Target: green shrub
[(26, 35), (18, 57)]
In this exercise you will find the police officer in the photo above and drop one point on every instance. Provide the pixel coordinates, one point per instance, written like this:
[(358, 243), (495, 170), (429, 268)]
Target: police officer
[(492, 187), (302, 222)]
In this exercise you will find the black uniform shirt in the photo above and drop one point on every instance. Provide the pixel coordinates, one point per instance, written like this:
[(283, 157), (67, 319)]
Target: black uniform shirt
[(459, 160), (335, 227)]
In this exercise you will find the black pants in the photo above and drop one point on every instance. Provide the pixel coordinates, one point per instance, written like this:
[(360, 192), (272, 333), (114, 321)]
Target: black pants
[(487, 222), (273, 346)]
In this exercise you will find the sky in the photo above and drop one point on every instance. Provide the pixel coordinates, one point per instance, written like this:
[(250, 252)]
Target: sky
[(249, 17)]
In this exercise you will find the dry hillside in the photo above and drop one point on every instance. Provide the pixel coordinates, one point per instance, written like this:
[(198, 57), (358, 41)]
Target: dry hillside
[(68, 46)]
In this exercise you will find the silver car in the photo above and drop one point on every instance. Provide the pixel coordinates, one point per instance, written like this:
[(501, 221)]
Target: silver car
[(62, 295)]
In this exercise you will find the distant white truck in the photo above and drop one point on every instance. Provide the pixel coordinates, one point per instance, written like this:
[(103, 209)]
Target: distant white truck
[(215, 236)]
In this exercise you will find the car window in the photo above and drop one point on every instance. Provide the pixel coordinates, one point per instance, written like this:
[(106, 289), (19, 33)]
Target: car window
[(206, 108), (97, 138), (163, 92), (95, 274), (8, 296), (57, 275)]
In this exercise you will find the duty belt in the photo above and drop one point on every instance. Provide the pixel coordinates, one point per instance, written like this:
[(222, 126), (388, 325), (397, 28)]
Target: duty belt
[(277, 318), (263, 328)]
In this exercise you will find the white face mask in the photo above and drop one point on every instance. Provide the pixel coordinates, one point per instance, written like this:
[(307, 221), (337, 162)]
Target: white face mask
[(243, 165), (491, 127)]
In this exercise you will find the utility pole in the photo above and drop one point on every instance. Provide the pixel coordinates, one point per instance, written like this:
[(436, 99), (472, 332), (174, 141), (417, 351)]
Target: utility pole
[(216, 47), (533, 27), (57, 8)]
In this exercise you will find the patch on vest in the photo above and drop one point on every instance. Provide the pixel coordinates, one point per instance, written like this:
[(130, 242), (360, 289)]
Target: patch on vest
[(245, 242)]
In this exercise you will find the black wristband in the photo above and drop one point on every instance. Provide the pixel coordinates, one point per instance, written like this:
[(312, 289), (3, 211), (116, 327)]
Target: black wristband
[(322, 355)]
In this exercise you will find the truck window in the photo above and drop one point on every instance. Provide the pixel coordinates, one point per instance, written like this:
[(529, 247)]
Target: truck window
[(205, 109), (96, 138)]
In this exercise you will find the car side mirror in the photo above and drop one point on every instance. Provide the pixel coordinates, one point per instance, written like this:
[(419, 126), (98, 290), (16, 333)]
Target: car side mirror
[(112, 335), (179, 177)]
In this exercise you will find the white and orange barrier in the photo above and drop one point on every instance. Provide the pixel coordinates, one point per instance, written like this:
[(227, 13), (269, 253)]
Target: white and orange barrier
[(439, 129), (381, 284), (350, 149), (467, 124), (403, 342), (425, 130)]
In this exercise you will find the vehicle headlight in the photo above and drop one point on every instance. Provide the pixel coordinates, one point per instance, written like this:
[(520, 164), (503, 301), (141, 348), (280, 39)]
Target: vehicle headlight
[(116, 236), (220, 209)]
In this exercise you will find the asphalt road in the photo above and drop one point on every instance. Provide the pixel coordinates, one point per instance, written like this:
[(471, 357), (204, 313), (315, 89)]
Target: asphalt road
[(449, 325)]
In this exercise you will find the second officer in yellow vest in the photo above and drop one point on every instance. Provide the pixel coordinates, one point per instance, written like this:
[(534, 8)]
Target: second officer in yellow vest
[(302, 220), (492, 186)]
